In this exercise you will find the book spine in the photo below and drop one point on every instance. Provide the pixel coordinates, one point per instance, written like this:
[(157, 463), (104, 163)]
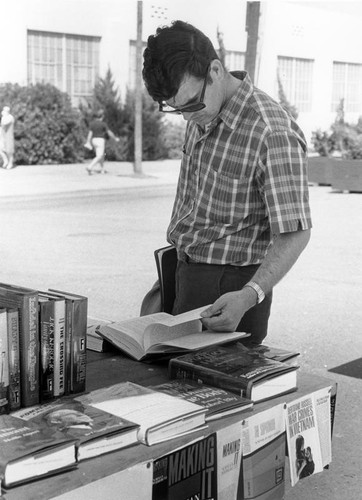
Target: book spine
[(68, 346), (181, 370), (46, 327), (59, 347), (4, 363), (29, 351), (14, 359), (79, 344)]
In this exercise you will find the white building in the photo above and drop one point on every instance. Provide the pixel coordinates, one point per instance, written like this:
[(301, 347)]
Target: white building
[(314, 45)]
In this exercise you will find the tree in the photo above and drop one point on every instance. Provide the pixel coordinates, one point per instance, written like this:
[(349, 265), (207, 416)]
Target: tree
[(292, 110)]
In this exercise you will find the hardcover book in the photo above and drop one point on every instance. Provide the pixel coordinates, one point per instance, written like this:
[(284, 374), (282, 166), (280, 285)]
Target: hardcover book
[(4, 363), (26, 300), (162, 334), (166, 263), (46, 335), (218, 402), (96, 432), (272, 352), (94, 341), (14, 359), (28, 451), (187, 473), (160, 416), (57, 314), (78, 305), (249, 374)]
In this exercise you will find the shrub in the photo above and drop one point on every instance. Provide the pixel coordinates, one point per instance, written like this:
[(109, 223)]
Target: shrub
[(341, 139), (47, 129)]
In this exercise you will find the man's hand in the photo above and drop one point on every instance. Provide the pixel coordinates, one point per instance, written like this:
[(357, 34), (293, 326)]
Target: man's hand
[(226, 312)]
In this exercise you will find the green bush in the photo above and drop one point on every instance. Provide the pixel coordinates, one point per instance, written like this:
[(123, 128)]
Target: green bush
[(343, 139), (47, 129)]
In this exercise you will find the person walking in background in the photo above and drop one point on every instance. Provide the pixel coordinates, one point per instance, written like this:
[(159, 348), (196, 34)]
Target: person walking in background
[(7, 138), (98, 134), (241, 215)]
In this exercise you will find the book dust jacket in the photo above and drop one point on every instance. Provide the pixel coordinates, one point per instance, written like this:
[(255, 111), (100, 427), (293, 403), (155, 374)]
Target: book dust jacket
[(188, 473)]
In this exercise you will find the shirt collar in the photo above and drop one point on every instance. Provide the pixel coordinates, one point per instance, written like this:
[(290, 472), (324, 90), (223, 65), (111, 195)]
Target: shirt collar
[(230, 113)]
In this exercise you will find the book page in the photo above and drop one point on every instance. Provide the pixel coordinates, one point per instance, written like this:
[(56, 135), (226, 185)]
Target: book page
[(196, 340), (132, 328)]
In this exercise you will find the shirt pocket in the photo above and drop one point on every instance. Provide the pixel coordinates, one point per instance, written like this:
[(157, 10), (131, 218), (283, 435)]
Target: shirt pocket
[(227, 195)]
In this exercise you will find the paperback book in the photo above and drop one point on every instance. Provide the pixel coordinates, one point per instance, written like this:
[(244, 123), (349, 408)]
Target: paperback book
[(246, 373), (218, 402), (308, 427), (162, 334), (29, 451), (96, 432), (160, 416), (262, 472)]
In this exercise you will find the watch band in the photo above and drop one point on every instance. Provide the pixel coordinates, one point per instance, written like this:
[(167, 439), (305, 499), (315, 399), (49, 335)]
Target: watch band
[(257, 289)]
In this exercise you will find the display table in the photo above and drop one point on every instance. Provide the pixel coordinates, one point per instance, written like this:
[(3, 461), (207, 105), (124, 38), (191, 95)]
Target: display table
[(98, 477)]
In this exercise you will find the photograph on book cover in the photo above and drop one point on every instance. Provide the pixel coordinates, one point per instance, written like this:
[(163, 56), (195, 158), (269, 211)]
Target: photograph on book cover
[(308, 433)]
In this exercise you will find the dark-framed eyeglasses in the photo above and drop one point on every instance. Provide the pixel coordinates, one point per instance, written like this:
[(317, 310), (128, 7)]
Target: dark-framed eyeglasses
[(188, 108)]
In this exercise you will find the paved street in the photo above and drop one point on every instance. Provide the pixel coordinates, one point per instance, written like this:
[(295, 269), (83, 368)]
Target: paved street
[(96, 235)]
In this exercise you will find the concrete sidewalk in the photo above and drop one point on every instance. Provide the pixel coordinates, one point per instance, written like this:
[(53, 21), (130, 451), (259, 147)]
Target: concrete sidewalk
[(48, 180)]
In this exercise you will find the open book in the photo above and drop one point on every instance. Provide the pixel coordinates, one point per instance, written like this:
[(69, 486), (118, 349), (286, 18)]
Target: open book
[(161, 334)]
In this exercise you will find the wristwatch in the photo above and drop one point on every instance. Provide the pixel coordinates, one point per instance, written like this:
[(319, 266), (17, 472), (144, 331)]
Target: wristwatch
[(257, 289)]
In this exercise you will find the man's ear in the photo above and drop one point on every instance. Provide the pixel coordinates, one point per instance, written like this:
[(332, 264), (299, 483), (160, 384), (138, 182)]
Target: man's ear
[(217, 71)]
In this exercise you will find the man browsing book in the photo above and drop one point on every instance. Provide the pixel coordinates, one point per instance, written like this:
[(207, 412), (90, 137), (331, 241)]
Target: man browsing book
[(241, 215)]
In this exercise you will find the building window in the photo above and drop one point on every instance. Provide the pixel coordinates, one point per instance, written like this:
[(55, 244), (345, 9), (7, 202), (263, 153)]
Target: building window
[(70, 62), (234, 60), (296, 76), (347, 85)]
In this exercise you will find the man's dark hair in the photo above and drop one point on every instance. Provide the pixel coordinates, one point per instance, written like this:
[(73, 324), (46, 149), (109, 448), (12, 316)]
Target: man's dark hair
[(173, 52)]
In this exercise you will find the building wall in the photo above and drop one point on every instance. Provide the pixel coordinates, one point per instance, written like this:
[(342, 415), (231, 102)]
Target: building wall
[(322, 31), (311, 30)]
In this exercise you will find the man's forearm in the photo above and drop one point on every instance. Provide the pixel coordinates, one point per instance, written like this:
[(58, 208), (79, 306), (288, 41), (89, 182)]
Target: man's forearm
[(280, 258)]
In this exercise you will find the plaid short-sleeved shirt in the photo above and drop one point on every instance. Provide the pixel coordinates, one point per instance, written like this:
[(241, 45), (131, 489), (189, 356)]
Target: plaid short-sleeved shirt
[(241, 181)]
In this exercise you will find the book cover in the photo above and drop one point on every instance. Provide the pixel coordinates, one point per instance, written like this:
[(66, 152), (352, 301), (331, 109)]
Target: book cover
[(57, 305), (229, 456), (303, 437), (187, 473), (28, 451), (161, 334), (14, 358), (95, 431), (4, 363), (218, 402), (262, 472), (247, 373), (26, 300), (166, 263), (160, 416), (273, 352), (79, 312)]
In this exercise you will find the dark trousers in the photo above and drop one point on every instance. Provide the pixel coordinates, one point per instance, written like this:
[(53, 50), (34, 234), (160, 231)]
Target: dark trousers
[(199, 285)]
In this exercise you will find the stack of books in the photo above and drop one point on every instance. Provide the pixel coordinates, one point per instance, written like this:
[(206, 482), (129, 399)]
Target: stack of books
[(42, 345)]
